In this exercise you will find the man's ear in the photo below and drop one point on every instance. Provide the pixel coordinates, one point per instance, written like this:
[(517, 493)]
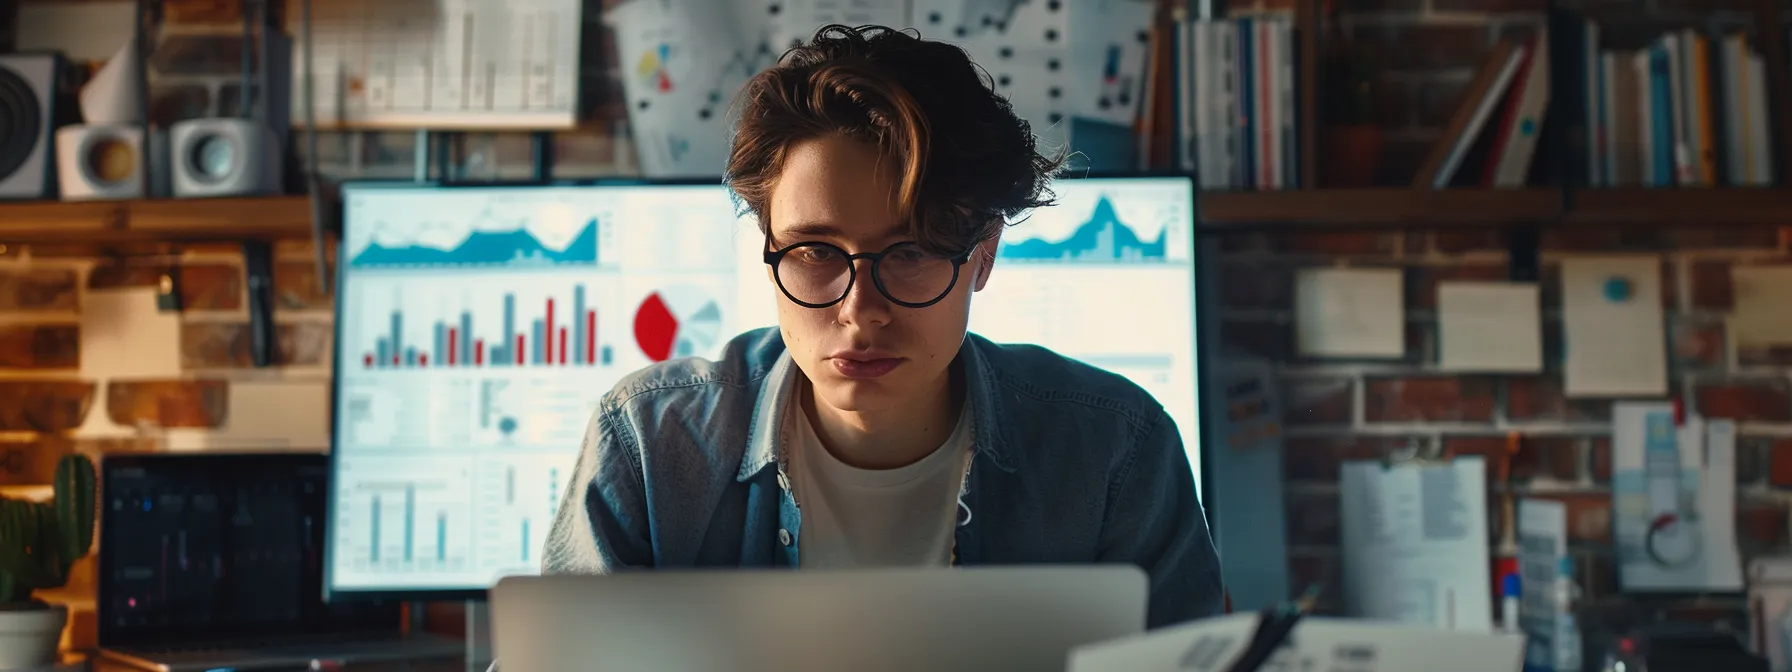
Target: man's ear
[(985, 259)]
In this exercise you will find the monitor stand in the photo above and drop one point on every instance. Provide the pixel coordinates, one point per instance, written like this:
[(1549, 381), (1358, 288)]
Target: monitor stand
[(479, 636)]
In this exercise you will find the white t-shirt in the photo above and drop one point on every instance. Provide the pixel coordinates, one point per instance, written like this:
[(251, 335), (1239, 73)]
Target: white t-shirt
[(856, 517)]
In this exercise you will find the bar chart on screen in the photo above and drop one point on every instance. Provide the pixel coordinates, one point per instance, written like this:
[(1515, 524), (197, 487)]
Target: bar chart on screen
[(479, 329), (400, 516), (476, 325), (520, 493)]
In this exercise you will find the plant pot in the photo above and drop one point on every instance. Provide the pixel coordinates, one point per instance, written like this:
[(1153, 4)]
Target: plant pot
[(29, 637), (1351, 156)]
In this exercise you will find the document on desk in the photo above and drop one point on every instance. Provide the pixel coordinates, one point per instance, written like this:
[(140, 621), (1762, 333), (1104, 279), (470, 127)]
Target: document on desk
[(1489, 327), (1415, 544), (1612, 326)]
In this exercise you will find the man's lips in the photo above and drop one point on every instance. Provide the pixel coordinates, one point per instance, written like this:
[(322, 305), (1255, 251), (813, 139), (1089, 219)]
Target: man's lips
[(864, 364)]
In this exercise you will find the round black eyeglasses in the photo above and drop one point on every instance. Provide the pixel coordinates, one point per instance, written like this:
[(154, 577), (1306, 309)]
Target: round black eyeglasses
[(818, 275)]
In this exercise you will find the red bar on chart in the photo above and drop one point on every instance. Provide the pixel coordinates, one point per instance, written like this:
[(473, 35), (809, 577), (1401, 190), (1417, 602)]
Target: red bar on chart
[(562, 347), (521, 342), (590, 337), (479, 352), (369, 361), (547, 347), (422, 360), (451, 347)]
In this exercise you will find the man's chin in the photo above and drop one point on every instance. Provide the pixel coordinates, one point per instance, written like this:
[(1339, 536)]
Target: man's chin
[(855, 395)]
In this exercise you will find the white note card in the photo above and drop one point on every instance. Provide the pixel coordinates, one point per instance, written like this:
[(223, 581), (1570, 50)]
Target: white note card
[(1612, 327), (1489, 327), (1349, 312), (1760, 320)]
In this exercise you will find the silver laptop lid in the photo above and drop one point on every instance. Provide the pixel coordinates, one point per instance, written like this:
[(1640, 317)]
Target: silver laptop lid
[(981, 618)]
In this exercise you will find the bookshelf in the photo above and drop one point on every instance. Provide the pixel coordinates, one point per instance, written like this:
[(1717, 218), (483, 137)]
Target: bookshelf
[(1567, 197)]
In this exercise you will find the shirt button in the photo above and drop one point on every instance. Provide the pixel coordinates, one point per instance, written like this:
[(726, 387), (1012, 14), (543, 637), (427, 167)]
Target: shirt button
[(784, 537), (783, 481)]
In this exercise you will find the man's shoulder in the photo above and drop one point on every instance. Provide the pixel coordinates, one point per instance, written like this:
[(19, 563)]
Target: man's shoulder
[(1038, 375), (742, 364)]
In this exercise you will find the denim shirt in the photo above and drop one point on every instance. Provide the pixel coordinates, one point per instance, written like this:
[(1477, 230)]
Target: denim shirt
[(682, 466)]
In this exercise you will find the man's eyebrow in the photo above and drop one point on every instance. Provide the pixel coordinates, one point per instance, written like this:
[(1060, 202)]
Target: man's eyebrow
[(826, 230)]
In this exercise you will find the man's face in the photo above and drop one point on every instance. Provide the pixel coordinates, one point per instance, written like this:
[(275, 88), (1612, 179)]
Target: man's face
[(864, 353)]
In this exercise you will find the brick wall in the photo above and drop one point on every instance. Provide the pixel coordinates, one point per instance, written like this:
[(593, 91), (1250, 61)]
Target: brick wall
[(1341, 410), (44, 394)]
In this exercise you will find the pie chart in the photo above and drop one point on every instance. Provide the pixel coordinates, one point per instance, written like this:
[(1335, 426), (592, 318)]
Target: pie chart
[(677, 322)]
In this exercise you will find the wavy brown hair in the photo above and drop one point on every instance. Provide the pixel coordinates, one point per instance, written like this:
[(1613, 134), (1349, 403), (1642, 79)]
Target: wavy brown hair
[(965, 162)]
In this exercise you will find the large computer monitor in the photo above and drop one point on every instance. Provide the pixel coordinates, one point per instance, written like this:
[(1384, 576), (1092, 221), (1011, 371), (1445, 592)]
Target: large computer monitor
[(478, 327)]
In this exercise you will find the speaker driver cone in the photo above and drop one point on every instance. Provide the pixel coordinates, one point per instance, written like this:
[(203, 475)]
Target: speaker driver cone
[(109, 160), (213, 157), (21, 122)]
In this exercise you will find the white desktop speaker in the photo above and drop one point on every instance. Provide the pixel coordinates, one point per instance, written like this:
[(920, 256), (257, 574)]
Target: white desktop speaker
[(106, 162), (224, 157)]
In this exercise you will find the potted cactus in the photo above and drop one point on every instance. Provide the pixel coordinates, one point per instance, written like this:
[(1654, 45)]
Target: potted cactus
[(39, 542)]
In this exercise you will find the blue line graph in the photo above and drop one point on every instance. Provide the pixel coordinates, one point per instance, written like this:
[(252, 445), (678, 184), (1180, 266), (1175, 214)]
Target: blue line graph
[(1101, 239), (486, 248)]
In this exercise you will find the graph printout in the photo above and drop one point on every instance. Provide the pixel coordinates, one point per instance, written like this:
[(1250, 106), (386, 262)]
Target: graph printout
[(480, 326)]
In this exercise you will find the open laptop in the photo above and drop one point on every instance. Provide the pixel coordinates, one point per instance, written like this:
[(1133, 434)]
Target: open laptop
[(213, 561), (980, 618)]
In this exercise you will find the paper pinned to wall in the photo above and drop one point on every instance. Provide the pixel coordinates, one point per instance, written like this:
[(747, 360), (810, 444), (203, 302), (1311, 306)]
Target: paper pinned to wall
[(682, 62), (124, 335), (1760, 321), (265, 415), (1348, 312), (1415, 543), (1612, 327), (1110, 41), (1674, 499), (1489, 327)]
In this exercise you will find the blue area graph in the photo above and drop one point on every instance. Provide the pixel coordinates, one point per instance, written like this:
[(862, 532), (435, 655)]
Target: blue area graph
[(486, 248), (1101, 239)]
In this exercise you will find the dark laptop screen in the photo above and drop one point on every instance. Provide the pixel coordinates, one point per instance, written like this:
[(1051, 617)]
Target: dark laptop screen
[(201, 548)]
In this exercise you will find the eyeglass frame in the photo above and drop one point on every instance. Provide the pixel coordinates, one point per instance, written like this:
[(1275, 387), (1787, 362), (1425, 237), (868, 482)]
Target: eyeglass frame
[(774, 258)]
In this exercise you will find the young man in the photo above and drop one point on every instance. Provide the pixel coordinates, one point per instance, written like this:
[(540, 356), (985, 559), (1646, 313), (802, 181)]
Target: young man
[(869, 429)]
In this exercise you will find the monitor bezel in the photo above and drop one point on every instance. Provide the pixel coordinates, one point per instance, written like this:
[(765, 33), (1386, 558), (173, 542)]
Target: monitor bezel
[(334, 594)]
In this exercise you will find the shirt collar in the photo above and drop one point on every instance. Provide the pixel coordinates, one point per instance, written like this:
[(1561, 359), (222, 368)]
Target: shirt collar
[(770, 426)]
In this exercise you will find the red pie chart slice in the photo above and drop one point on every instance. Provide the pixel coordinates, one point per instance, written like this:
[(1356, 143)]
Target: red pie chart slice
[(656, 329), (678, 322)]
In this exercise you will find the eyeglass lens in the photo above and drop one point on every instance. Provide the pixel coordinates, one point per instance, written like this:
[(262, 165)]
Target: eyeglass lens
[(820, 273)]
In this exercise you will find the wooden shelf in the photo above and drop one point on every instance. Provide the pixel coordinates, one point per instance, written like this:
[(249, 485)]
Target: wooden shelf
[(1690, 206), (158, 220), (1378, 207), (1476, 208)]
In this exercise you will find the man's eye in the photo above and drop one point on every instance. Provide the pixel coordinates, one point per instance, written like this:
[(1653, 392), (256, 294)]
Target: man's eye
[(817, 255)]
